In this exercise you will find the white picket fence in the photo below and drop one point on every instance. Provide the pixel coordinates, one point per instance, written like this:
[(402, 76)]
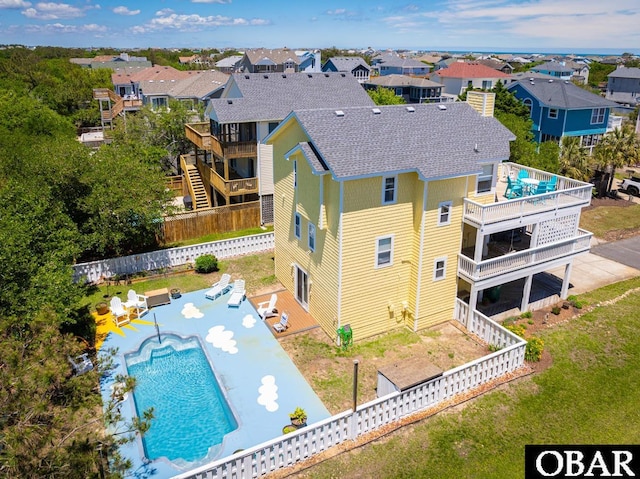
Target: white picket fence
[(104, 269), (294, 447)]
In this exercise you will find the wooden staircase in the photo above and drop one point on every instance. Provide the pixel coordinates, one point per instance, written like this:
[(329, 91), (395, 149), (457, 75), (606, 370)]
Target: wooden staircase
[(196, 188)]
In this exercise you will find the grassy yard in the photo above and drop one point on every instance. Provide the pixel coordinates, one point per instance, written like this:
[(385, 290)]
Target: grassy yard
[(256, 269), (609, 221), (588, 395)]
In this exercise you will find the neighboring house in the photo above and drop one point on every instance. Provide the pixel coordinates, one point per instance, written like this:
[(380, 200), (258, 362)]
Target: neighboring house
[(390, 63), (355, 66), (196, 88), (263, 60), (529, 75), (229, 64), (309, 61), (560, 108), (233, 163), (623, 86), (412, 89), (501, 66), (444, 63), (460, 76), (386, 215), (112, 62), (557, 70)]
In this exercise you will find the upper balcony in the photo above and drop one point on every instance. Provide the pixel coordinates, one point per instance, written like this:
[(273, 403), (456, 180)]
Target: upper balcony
[(200, 135), (214, 175), (505, 213)]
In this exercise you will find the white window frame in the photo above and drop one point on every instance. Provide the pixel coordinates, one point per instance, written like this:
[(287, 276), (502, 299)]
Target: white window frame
[(598, 113), (380, 251), (555, 113), (446, 214), (484, 177), (297, 225), (440, 273), (384, 190), (311, 239), (295, 174)]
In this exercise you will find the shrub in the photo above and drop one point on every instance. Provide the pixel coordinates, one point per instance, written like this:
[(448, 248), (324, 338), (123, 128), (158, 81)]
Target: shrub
[(535, 346), (572, 298), (556, 310), (494, 347), (206, 263), (526, 314), (517, 329), (577, 304)]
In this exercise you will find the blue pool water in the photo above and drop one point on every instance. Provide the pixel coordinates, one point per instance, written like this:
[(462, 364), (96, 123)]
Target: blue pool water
[(191, 413)]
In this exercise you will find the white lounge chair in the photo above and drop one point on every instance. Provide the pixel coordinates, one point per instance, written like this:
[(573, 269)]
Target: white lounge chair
[(119, 312), (282, 325), (220, 287), (266, 309), (237, 295), (81, 364), (138, 302)]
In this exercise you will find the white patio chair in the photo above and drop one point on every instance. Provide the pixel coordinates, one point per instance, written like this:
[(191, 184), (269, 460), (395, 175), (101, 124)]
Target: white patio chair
[(282, 325), (219, 288), (119, 312), (237, 295), (138, 302), (267, 309)]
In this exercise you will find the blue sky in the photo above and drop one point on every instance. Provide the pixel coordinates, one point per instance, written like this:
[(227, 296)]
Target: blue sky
[(473, 25)]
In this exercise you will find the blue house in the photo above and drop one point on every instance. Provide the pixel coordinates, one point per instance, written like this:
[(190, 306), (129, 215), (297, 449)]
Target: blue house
[(560, 108)]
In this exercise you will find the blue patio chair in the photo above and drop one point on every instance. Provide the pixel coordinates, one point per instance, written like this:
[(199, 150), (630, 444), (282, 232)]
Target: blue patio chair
[(522, 174), (552, 184), (540, 190), (513, 190)]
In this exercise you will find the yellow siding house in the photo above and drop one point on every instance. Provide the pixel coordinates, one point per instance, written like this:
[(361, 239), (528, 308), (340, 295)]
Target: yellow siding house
[(369, 206)]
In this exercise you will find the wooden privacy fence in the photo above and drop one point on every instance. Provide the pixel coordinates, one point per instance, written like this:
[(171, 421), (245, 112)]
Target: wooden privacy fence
[(304, 443), (96, 270), (193, 224)]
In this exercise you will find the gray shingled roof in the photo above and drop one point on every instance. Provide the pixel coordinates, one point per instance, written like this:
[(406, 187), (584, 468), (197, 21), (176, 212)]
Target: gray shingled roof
[(552, 67), (396, 80), (273, 96), (563, 94), (435, 142), (624, 72), (347, 64)]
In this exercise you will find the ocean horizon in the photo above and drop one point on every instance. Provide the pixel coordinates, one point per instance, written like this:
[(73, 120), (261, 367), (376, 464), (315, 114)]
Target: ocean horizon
[(543, 51)]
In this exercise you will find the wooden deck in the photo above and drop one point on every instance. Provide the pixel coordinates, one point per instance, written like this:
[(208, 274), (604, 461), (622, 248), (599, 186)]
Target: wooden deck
[(299, 320)]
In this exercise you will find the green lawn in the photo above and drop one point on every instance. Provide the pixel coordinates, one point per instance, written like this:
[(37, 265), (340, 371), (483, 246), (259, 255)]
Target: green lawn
[(606, 219), (588, 395)]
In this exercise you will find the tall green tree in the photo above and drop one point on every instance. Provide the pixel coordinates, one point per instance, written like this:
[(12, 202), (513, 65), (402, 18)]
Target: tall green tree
[(385, 96), (618, 148), (574, 161)]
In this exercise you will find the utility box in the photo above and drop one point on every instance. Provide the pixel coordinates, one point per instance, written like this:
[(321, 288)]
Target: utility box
[(398, 377)]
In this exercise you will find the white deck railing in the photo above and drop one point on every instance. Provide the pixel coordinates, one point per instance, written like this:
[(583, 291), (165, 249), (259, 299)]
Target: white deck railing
[(522, 259), (104, 269), (294, 447)]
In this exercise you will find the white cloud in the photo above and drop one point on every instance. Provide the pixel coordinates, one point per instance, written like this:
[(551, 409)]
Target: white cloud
[(190, 311), (125, 11), (10, 4), (268, 393), (166, 19), (222, 338), (249, 321), (59, 28), (52, 11)]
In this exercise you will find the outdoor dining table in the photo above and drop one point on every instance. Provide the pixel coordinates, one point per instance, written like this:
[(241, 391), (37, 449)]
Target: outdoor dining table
[(529, 185)]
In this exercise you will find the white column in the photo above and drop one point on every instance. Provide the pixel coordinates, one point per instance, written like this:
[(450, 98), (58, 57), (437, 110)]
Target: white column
[(565, 281), (477, 256), (473, 300), (526, 292)]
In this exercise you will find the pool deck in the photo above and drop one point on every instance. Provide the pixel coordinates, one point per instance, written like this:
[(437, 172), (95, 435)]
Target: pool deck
[(261, 382)]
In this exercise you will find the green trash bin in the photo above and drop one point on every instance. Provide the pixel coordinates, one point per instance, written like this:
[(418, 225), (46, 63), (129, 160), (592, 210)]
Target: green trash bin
[(346, 336)]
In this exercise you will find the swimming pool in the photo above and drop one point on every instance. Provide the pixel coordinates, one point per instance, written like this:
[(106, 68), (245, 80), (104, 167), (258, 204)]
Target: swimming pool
[(191, 413), (256, 376)]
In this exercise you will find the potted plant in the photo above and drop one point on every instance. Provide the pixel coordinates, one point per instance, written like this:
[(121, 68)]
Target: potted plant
[(298, 417), (102, 308)]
